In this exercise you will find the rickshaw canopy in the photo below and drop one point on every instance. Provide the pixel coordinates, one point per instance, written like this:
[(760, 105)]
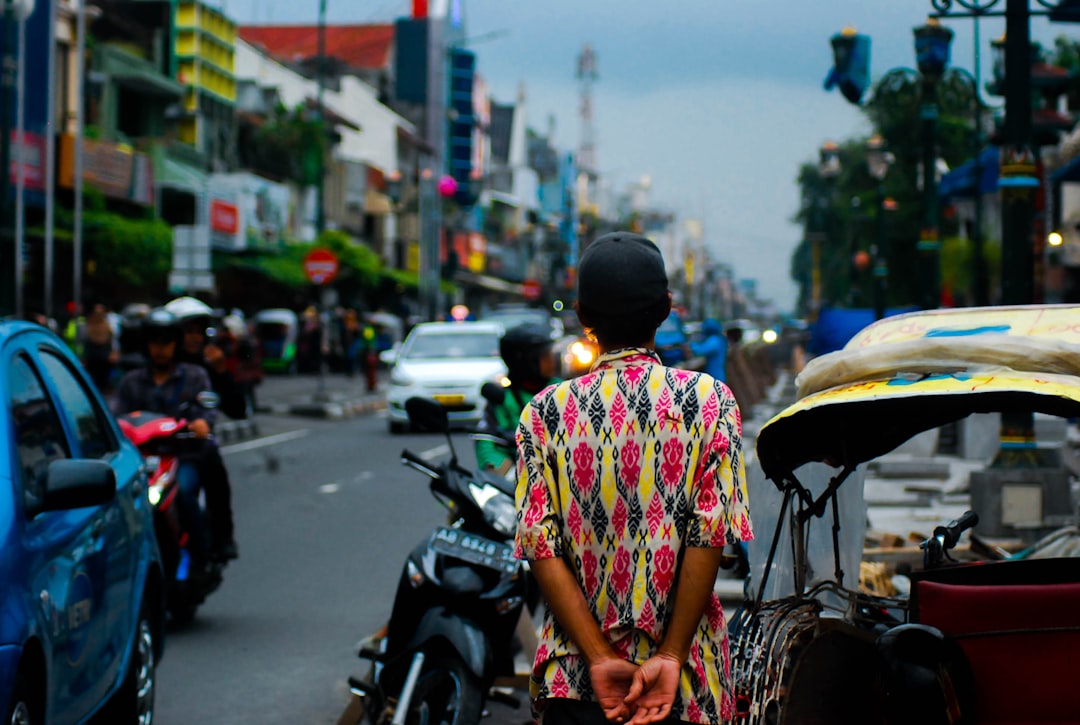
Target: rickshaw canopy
[(907, 374)]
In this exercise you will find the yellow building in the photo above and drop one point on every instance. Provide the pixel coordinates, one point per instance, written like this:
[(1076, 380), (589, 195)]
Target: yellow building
[(204, 41)]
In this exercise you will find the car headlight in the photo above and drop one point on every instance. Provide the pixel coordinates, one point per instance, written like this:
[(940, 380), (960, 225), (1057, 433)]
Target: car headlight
[(582, 353), (400, 377), (498, 508)]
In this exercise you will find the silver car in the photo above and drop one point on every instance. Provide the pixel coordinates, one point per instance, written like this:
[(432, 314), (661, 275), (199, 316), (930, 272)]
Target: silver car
[(447, 362)]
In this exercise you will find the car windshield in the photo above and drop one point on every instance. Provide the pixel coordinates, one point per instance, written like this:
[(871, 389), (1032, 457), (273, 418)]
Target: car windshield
[(452, 345), (511, 319)]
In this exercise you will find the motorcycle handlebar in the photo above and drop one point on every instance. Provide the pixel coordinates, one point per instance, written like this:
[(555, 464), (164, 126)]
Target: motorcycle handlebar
[(951, 531)]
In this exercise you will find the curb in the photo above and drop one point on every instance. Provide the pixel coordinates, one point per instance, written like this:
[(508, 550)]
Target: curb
[(334, 410), (231, 431)]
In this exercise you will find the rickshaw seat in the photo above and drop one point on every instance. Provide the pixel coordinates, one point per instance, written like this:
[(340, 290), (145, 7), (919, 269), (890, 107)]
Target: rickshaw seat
[(1020, 635)]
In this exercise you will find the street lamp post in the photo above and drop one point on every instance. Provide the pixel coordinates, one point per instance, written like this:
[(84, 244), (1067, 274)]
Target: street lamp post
[(932, 55), (828, 170), (878, 161)]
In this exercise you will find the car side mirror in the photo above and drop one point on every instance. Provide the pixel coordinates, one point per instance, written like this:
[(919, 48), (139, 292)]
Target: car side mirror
[(72, 484), (389, 356), (493, 393)]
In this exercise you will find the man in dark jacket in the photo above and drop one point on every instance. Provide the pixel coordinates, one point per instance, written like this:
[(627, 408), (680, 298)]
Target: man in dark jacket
[(197, 348)]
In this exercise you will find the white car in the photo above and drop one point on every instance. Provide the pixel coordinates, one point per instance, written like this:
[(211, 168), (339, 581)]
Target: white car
[(447, 362)]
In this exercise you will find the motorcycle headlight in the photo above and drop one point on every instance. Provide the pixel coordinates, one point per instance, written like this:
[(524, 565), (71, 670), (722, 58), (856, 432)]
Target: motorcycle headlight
[(400, 377), (498, 508), (154, 494)]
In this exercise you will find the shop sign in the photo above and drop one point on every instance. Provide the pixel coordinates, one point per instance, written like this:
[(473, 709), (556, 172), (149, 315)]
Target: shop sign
[(247, 211), (224, 217), (116, 170), (32, 156)]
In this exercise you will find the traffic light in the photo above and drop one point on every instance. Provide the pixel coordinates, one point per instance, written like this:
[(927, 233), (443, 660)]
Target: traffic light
[(462, 123), (851, 65)]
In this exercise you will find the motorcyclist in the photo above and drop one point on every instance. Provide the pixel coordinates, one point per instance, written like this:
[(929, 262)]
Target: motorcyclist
[(198, 348), (526, 350), (170, 387)]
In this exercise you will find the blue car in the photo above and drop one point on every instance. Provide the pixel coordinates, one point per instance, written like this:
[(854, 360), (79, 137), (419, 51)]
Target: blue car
[(81, 598)]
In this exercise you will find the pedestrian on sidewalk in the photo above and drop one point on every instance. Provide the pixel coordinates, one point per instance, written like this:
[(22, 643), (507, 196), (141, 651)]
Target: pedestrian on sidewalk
[(630, 482)]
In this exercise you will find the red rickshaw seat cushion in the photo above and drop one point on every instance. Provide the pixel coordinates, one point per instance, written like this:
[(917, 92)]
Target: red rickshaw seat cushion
[(1025, 666)]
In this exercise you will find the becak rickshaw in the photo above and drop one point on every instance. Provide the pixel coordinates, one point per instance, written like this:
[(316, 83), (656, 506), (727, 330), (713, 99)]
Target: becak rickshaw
[(972, 642)]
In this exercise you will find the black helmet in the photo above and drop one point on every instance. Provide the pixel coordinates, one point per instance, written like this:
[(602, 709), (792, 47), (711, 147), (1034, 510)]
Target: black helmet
[(521, 348), (161, 325)]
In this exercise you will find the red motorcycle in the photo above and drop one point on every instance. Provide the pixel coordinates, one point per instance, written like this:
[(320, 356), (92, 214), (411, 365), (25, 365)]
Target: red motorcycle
[(163, 440)]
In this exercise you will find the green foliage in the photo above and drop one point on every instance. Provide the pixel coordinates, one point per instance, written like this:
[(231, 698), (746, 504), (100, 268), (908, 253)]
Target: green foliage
[(830, 206), (291, 145)]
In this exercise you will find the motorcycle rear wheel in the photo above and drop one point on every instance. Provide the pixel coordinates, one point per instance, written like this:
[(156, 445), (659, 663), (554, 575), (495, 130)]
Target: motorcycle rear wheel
[(447, 693)]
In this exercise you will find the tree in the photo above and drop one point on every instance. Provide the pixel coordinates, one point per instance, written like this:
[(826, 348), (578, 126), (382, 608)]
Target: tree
[(893, 109), (291, 145)]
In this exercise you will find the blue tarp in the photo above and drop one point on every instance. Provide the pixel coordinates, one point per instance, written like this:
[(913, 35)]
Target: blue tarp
[(960, 182), (1068, 172), (836, 325)]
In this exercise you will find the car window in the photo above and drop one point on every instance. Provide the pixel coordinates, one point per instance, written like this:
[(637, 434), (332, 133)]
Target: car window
[(437, 345), (39, 437), (84, 415)]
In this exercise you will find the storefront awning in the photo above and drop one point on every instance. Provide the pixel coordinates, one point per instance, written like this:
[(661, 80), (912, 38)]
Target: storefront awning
[(488, 282), (153, 84), (174, 174), (960, 182), (377, 203)]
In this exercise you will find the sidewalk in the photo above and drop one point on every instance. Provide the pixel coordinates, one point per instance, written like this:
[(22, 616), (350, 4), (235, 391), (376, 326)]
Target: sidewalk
[(334, 397)]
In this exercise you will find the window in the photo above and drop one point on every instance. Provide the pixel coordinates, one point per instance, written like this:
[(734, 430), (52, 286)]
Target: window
[(39, 437), (84, 415)]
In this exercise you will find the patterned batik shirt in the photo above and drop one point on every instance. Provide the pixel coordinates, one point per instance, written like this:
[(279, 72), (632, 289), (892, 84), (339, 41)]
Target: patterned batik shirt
[(618, 472)]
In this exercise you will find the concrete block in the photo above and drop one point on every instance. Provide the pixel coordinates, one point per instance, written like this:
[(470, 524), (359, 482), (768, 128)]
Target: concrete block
[(1021, 502), (979, 435), (923, 445)]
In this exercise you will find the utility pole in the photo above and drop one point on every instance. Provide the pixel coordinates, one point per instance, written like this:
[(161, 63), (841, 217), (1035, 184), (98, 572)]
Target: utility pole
[(80, 113), (320, 189), (7, 83)]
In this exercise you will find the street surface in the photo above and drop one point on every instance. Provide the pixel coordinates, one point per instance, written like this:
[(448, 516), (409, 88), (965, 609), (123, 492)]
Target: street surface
[(325, 515)]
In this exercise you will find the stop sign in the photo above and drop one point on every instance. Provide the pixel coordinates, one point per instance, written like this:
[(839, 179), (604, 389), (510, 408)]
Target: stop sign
[(530, 289), (320, 265)]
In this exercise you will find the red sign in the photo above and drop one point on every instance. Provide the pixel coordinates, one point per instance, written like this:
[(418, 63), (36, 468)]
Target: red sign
[(32, 155), (224, 217), (320, 265), (530, 289)]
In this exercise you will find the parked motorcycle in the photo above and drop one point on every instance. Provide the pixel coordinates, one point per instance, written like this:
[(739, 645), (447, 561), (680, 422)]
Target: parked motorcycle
[(162, 440), (460, 597)]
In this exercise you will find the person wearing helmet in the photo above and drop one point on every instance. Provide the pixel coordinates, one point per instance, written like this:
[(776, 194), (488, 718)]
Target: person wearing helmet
[(170, 387), (198, 347), (714, 348), (526, 350)]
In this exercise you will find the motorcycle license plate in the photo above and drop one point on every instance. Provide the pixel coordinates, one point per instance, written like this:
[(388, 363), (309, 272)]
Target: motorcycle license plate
[(449, 399), (474, 549)]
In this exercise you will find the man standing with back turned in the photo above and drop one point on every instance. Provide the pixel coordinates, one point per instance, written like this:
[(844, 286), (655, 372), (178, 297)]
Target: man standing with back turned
[(630, 482)]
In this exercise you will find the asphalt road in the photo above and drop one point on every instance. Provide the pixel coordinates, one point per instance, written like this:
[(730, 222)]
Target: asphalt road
[(325, 515)]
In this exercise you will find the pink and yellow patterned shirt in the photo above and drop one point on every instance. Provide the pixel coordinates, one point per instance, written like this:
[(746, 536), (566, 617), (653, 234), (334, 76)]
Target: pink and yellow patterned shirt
[(619, 471)]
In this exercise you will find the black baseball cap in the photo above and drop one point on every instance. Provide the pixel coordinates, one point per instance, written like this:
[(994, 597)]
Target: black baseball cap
[(621, 274)]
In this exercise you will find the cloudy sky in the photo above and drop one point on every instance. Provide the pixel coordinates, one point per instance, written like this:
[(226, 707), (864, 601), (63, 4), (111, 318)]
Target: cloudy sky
[(719, 101)]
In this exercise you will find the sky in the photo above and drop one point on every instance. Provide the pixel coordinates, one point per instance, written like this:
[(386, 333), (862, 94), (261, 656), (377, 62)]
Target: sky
[(718, 101)]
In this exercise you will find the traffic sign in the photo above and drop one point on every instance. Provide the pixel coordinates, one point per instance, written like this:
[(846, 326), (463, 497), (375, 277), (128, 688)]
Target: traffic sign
[(530, 289), (320, 265)]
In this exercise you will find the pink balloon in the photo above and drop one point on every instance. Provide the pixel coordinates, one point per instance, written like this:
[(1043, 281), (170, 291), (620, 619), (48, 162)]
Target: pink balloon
[(447, 186)]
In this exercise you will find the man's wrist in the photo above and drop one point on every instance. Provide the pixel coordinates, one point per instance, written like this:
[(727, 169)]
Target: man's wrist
[(671, 653)]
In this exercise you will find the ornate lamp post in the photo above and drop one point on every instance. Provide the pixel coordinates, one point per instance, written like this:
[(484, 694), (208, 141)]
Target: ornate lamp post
[(828, 170), (878, 161), (1018, 182), (932, 55)]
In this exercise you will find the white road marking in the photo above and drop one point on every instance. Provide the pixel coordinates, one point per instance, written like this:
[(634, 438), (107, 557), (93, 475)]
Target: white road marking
[(329, 488), (266, 441), (435, 452)]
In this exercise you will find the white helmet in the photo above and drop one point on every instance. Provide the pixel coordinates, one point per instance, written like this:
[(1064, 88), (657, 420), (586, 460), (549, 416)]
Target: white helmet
[(185, 308)]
